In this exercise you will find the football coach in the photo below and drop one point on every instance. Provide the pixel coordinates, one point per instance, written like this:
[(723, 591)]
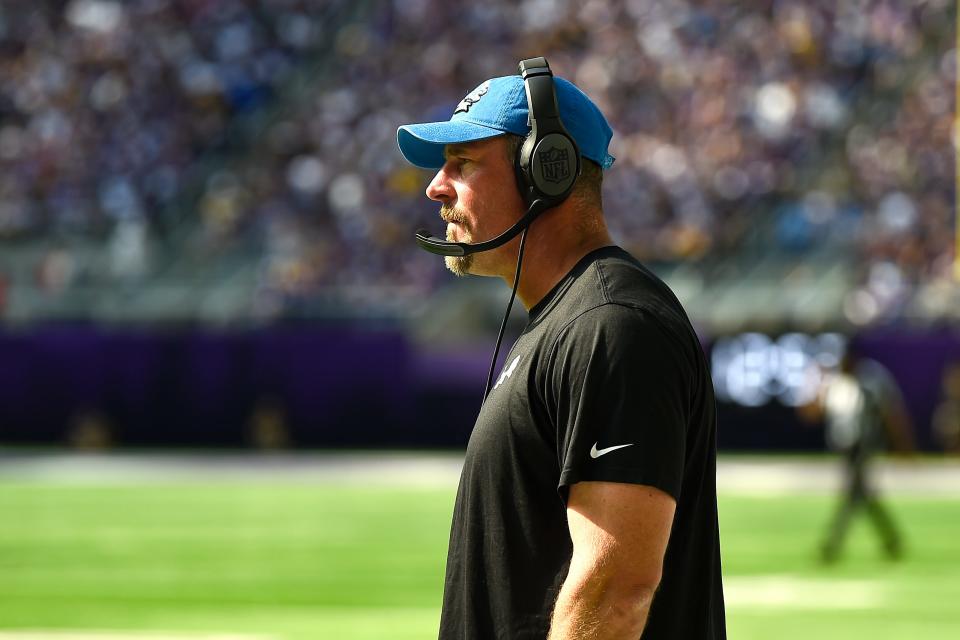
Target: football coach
[(587, 502)]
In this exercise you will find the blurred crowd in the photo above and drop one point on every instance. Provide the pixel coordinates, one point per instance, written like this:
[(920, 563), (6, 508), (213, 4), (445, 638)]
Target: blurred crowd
[(781, 127), (106, 107)]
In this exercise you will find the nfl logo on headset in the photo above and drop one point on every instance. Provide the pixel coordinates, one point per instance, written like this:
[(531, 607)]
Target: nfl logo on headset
[(554, 164)]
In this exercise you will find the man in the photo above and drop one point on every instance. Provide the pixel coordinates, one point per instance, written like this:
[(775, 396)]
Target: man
[(863, 411), (587, 502)]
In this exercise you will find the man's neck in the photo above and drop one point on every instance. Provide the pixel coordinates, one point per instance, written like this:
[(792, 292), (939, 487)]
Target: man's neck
[(545, 264)]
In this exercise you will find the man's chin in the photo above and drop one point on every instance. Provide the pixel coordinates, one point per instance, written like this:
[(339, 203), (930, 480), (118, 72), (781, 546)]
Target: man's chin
[(459, 265)]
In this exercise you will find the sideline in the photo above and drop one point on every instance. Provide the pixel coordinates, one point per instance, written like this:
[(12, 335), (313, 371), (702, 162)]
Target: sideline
[(761, 475), (781, 592)]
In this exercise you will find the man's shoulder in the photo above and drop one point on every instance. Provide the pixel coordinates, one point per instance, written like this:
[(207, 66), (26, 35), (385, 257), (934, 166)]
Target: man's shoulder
[(653, 332), (628, 282), (608, 274), (611, 296), (616, 289)]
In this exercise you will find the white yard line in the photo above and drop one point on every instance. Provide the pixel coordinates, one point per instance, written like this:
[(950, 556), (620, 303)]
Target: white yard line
[(791, 592), (736, 475), (765, 476), (374, 468)]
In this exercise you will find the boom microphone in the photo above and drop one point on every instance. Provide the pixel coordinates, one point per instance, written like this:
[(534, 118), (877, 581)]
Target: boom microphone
[(442, 247)]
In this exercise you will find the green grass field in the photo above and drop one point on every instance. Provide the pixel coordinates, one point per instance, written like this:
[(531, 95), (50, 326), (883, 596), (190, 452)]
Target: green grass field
[(295, 560)]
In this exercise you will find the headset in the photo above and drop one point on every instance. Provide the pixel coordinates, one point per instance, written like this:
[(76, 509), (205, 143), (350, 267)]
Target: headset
[(546, 166), (547, 163)]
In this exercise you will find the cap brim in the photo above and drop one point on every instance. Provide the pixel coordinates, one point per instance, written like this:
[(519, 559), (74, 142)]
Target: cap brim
[(422, 144)]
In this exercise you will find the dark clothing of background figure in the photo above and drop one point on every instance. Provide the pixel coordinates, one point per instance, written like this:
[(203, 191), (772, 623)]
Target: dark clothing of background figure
[(857, 407)]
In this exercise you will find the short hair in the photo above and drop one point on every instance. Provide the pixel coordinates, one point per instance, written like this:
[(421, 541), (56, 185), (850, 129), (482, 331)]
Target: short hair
[(588, 188)]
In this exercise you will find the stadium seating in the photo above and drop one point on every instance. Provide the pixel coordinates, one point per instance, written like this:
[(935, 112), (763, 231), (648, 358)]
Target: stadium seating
[(248, 147)]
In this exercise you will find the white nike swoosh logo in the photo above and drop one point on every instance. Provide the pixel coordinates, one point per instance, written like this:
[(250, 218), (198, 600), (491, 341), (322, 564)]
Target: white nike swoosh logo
[(596, 453)]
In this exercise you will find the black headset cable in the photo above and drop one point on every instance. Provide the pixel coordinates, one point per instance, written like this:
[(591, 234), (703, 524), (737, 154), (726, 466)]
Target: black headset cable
[(503, 325)]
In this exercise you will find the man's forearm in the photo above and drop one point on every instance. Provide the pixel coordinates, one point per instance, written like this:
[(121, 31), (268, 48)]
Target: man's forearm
[(590, 608)]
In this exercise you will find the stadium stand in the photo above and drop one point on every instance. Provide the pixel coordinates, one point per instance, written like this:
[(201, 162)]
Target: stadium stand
[(235, 159)]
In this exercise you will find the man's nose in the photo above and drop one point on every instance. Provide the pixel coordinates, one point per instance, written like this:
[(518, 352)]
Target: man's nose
[(440, 188)]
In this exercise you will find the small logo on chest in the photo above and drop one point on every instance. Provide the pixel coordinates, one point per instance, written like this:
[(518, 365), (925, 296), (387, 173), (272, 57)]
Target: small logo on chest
[(507, 372)]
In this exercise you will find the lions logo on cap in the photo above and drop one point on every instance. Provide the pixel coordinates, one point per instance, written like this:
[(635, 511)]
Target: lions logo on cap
[(473, 97)]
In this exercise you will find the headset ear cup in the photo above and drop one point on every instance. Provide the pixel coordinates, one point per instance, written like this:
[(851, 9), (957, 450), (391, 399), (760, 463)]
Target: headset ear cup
[(554, 165), (522, 169), (548, 161)]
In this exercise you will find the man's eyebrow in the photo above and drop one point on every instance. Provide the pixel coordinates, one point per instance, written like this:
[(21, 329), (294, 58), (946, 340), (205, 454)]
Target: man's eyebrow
[(455, 150)]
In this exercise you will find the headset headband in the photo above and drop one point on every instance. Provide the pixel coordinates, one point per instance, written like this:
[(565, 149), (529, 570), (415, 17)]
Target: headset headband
[(541, 97), (548, 162)]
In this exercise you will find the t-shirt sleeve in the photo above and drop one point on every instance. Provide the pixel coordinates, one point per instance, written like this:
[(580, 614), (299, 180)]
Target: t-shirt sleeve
[(621, 383)]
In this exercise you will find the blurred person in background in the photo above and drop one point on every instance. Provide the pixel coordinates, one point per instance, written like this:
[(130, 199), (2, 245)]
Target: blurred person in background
[(596, 447), (863, 412)]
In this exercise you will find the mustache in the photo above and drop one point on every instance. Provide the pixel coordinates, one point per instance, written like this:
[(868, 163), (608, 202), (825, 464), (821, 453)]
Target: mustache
[(450, 214)]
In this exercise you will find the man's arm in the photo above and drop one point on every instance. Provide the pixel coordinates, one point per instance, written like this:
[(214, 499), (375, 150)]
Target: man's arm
[(620, 533)]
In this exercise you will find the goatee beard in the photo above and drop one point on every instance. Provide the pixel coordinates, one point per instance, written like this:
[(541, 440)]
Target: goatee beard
[(458, 265)]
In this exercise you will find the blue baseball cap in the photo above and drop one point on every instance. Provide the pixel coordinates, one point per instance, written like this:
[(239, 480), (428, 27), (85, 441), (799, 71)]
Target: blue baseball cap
[(499, 106)]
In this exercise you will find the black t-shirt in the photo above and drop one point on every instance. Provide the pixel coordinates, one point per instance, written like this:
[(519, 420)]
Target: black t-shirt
[(607, 359)]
